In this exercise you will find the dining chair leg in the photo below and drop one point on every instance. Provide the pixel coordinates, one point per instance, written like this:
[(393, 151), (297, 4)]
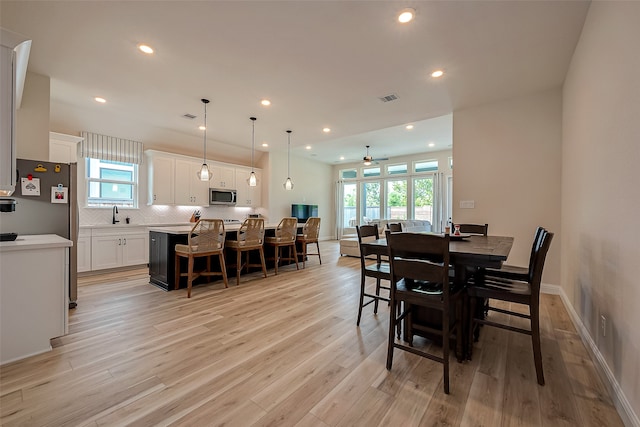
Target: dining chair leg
[(277, 257), (362, 279), (209, 268), (304, 254), (319, 257), (390, 345), (471, 325), (295, 254), (375, 302), (459, 331), (445, 349), (535, 339)]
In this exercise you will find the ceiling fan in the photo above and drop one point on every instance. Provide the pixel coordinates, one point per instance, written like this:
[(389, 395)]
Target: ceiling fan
[(367, 160)]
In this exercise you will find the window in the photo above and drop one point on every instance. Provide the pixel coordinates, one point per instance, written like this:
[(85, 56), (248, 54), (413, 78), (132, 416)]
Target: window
[(349, 214), (371, 199), (397, 169), (111, 183), (348, 174), (396, 199), (369, 172), (425, 166), (423, 199)]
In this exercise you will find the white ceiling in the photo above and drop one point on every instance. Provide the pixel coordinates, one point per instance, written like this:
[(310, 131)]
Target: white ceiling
[(321, 63)]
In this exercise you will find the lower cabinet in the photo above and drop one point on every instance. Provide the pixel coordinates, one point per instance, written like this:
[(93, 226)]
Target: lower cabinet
[(84, 251), (111, 249)]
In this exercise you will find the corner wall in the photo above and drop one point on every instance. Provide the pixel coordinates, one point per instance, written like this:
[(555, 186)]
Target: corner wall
[(32, 124), (507, 160), (600, 195)]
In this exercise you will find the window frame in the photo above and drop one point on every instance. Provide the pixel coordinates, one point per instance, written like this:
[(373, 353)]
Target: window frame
[(105, 202)]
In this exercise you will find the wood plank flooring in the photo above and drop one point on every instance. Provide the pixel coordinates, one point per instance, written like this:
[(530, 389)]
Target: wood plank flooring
[(285, 351)]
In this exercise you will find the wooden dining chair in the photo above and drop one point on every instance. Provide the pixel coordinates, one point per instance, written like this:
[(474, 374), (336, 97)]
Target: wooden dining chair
[(420, 279), (285, 238), (205, 240), (250, 237), (310, 233), (478, 229), (516, 272), (375, 268), (395, 227), (525, 292)]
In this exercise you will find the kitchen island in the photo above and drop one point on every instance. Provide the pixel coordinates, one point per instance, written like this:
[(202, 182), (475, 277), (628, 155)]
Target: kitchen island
[(34, 277), (162, 243)]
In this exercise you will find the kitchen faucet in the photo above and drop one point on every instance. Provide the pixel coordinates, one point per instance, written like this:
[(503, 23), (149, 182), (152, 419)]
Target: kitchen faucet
[(115, 212)]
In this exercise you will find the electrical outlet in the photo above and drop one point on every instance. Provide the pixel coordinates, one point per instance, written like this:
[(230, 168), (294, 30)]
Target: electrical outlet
[(603, 325)]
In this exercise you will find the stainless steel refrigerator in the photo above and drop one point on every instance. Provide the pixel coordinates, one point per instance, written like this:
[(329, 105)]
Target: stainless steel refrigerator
[(40, 215)]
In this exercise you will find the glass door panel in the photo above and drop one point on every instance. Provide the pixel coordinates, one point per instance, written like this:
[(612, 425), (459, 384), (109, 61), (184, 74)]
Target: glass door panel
[(371, 200), (423, 199), (396, 207), (349, 206)]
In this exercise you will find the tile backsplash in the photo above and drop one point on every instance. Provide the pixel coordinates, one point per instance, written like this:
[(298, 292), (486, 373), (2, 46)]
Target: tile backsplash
[(163, 214)]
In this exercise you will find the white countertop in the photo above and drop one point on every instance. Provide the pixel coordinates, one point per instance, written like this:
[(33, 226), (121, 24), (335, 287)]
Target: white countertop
[(184, 229), (124, 226), (35, 241)]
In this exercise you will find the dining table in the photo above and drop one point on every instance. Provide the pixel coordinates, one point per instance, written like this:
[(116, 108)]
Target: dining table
[(467, 253)]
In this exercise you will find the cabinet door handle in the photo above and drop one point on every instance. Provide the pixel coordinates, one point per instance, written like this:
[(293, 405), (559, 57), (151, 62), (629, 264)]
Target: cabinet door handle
[(125, 241), (154, 197), (119, 242)]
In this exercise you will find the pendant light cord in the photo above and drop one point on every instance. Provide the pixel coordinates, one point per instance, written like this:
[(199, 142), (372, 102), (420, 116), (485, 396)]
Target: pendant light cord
[(204, 159), (253, 139), (289, 155)]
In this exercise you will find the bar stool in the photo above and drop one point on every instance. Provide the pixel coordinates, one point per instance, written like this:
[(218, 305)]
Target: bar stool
[(285, 237), (310, 232), (250, 237), (205, 239)]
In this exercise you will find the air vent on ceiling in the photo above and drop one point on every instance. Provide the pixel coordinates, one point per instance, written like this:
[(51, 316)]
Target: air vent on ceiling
[(189, 116), (388, 98)]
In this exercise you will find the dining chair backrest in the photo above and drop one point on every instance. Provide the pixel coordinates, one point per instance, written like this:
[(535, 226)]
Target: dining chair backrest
[(206, 235), (251, 232), (480, 229), (535, 275), (537, 238), (311, 228), (287, 229), (367, 232), (395, 227), (420, 256)]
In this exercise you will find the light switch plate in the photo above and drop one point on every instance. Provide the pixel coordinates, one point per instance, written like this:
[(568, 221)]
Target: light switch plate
[(467, 204)]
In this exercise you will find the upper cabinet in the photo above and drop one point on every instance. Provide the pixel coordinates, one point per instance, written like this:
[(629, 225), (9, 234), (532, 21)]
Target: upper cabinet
[(173, 180), (189, 190), (246, 195), (63, 148), (161, 188), (223, 177)]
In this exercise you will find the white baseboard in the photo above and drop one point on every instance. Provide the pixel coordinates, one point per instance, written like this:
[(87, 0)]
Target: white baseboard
[(626, 412)]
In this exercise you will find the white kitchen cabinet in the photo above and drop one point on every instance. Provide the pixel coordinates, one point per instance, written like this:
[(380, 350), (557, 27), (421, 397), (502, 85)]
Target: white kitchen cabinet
[(161, 178), (113, 249), (189, 190), (84, 251), (248, 196), (63, 148), (223, 177)]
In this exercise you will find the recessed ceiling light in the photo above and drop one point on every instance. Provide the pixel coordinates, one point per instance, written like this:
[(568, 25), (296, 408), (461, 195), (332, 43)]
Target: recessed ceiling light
[(265, 102), (145, 48), (406, 15), (308, 147), (201, 127), (437, 73), (264, 144), (431, 144), (341, 157), (409, 127), (100, 100), (326, 130)]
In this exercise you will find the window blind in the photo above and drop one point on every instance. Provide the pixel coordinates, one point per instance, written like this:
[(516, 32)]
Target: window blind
[(110, 148)]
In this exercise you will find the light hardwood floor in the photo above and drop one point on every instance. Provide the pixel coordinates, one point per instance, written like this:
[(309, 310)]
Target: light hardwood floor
[(285, 351)]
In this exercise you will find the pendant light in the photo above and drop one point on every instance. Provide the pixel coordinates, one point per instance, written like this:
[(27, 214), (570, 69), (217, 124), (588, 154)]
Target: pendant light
[(253, 181), (288, 184), (204, 174)]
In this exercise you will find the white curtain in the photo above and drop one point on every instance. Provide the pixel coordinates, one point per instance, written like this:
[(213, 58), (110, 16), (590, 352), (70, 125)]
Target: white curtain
[(439, 196), (110, 148), (339, 209)]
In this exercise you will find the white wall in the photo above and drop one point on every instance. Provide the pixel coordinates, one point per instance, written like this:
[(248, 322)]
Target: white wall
[(600, 195), (32, 123), (312, 185), (507, 159)]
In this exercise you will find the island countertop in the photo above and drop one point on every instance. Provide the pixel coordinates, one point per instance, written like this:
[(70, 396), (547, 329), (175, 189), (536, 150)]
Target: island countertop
[(184, 229)]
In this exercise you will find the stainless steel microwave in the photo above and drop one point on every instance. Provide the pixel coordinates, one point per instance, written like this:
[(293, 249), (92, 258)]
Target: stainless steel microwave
[(222, 196)]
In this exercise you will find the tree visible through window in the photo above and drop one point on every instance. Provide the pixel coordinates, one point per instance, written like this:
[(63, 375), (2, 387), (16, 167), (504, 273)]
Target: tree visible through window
[(397, 199)]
